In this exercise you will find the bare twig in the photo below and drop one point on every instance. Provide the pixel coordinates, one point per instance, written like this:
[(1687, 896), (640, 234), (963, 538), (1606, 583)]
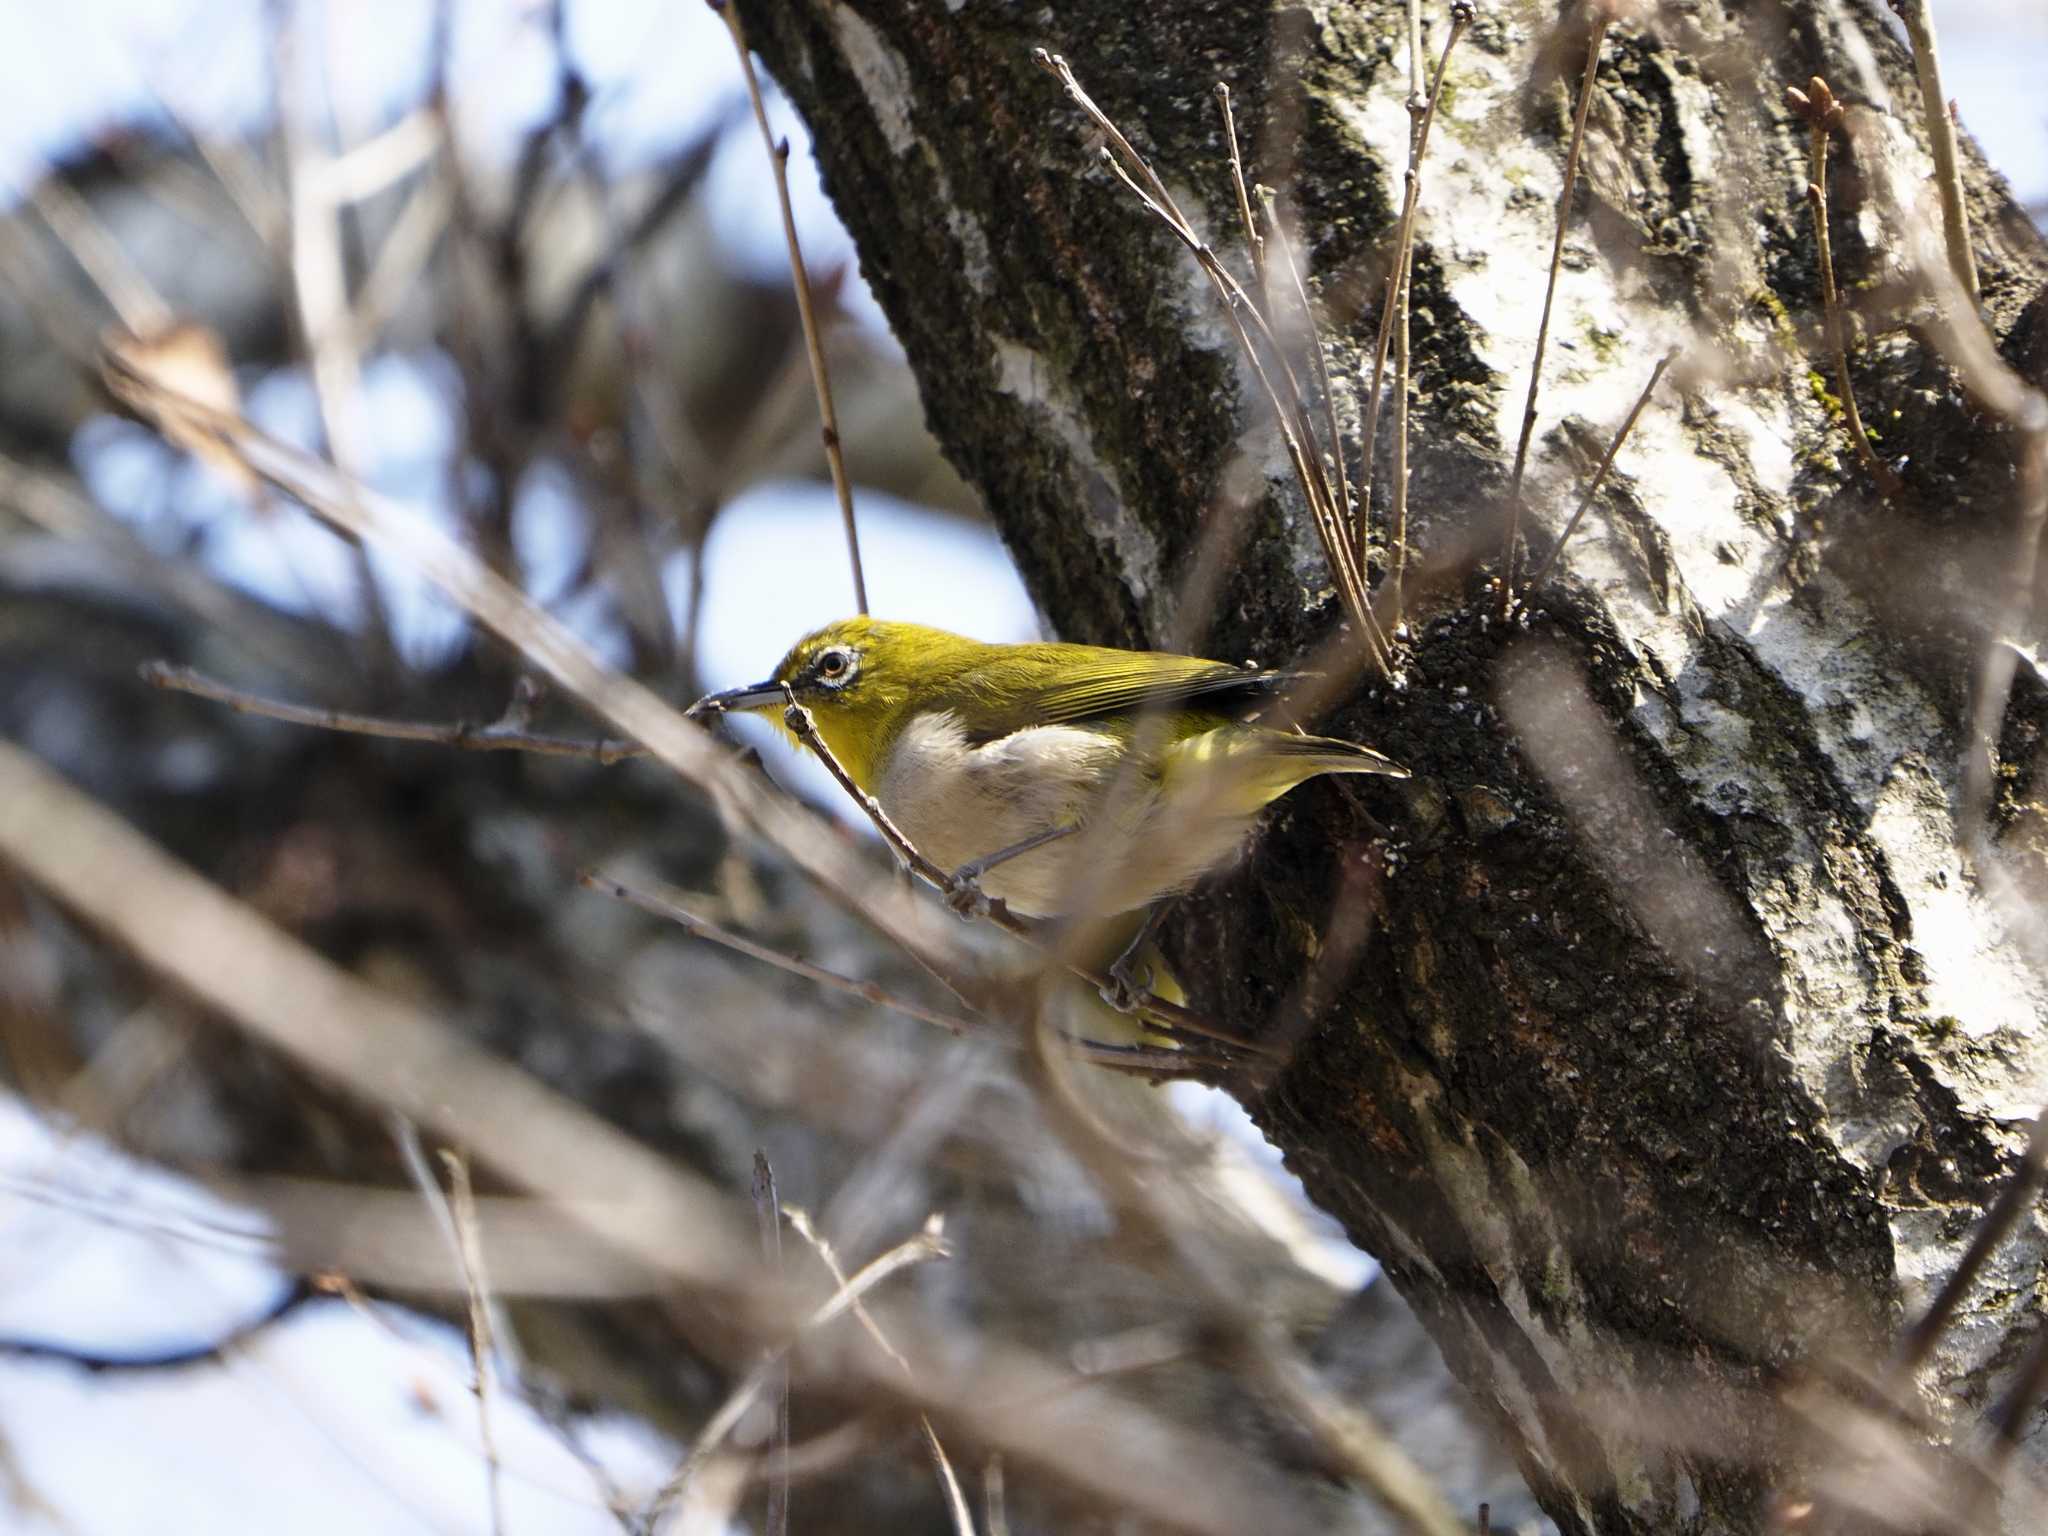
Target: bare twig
[(1601, 21), (673, 911), (99, 255), (413, 1154), (1254, 243), (1823, 114), (1312, 333), (928, 1244), (778, 155), (1297, 430), (319, 282), (496, 737), (462, 1198), (1394, 308), (1600, 474), (1941, 138), (768, 1220), (949, 1483)]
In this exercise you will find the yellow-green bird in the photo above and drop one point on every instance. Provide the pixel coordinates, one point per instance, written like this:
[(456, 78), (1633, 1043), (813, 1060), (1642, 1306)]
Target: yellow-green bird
[(1063, 780)]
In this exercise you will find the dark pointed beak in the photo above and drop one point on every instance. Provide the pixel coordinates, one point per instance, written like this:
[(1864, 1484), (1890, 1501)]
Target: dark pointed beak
[(755, 696)]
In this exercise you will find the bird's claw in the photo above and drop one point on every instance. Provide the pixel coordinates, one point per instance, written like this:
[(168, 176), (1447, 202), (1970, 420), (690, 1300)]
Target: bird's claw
[(1123, 991), (964, 895)]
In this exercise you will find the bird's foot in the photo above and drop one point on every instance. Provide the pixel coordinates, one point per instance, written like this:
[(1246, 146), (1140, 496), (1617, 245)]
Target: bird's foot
[(962, 892), (1128, 984)]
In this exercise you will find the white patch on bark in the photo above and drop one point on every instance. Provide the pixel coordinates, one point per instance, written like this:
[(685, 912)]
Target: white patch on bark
[(1206, 325), (883, 75), (1029, 379)]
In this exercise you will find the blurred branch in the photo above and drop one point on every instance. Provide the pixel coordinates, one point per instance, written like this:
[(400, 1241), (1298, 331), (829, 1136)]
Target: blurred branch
[(1143, 1061), (318, 193), (949, 1482), (927, 1244), (1918, 16), (295, 1293), (62, 508), (679, 183), (127, 292), (462, 1202), (1345, 1432), (505, 734)]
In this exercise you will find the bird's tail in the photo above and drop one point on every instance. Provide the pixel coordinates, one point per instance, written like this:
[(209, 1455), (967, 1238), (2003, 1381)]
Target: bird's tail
[(1241, 768), (1311, 755)]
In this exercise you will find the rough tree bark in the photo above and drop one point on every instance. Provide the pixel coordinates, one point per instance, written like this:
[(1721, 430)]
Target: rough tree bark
[(1684, 1050)]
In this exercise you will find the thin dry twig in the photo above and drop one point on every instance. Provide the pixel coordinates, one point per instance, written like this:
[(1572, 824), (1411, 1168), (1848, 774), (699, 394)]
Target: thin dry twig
[(500, 736), (671, 910), (1395, 304), (462, 1199), (1600, 474), (1601, 21), (1254, 243), (806, 307), (1941, 138), (949, 1482), (413, 1154), (1314, 336), (994, 1505), (929, 1243), (1297, 429), (1817, 106), (768, 1221)]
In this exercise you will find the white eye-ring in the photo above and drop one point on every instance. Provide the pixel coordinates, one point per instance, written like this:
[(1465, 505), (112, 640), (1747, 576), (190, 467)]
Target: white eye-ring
[(835, 665)]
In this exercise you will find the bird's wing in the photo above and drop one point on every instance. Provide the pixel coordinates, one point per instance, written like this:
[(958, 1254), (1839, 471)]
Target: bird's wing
[(1070, 684)]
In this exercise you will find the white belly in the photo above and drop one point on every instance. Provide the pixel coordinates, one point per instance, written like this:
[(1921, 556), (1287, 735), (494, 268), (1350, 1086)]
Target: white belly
[(959, 802)]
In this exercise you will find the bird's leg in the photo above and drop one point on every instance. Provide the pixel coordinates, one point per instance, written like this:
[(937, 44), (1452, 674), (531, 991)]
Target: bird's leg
[(1125, 989), (963, 890)]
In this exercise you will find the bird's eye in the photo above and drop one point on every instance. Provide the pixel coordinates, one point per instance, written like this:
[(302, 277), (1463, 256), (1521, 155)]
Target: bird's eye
[(833, 664)]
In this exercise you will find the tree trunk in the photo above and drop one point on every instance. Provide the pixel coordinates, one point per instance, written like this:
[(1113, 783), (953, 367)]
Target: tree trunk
[(1684, 1047)]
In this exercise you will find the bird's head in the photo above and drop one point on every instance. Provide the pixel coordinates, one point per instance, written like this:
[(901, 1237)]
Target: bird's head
[(859, 678)]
